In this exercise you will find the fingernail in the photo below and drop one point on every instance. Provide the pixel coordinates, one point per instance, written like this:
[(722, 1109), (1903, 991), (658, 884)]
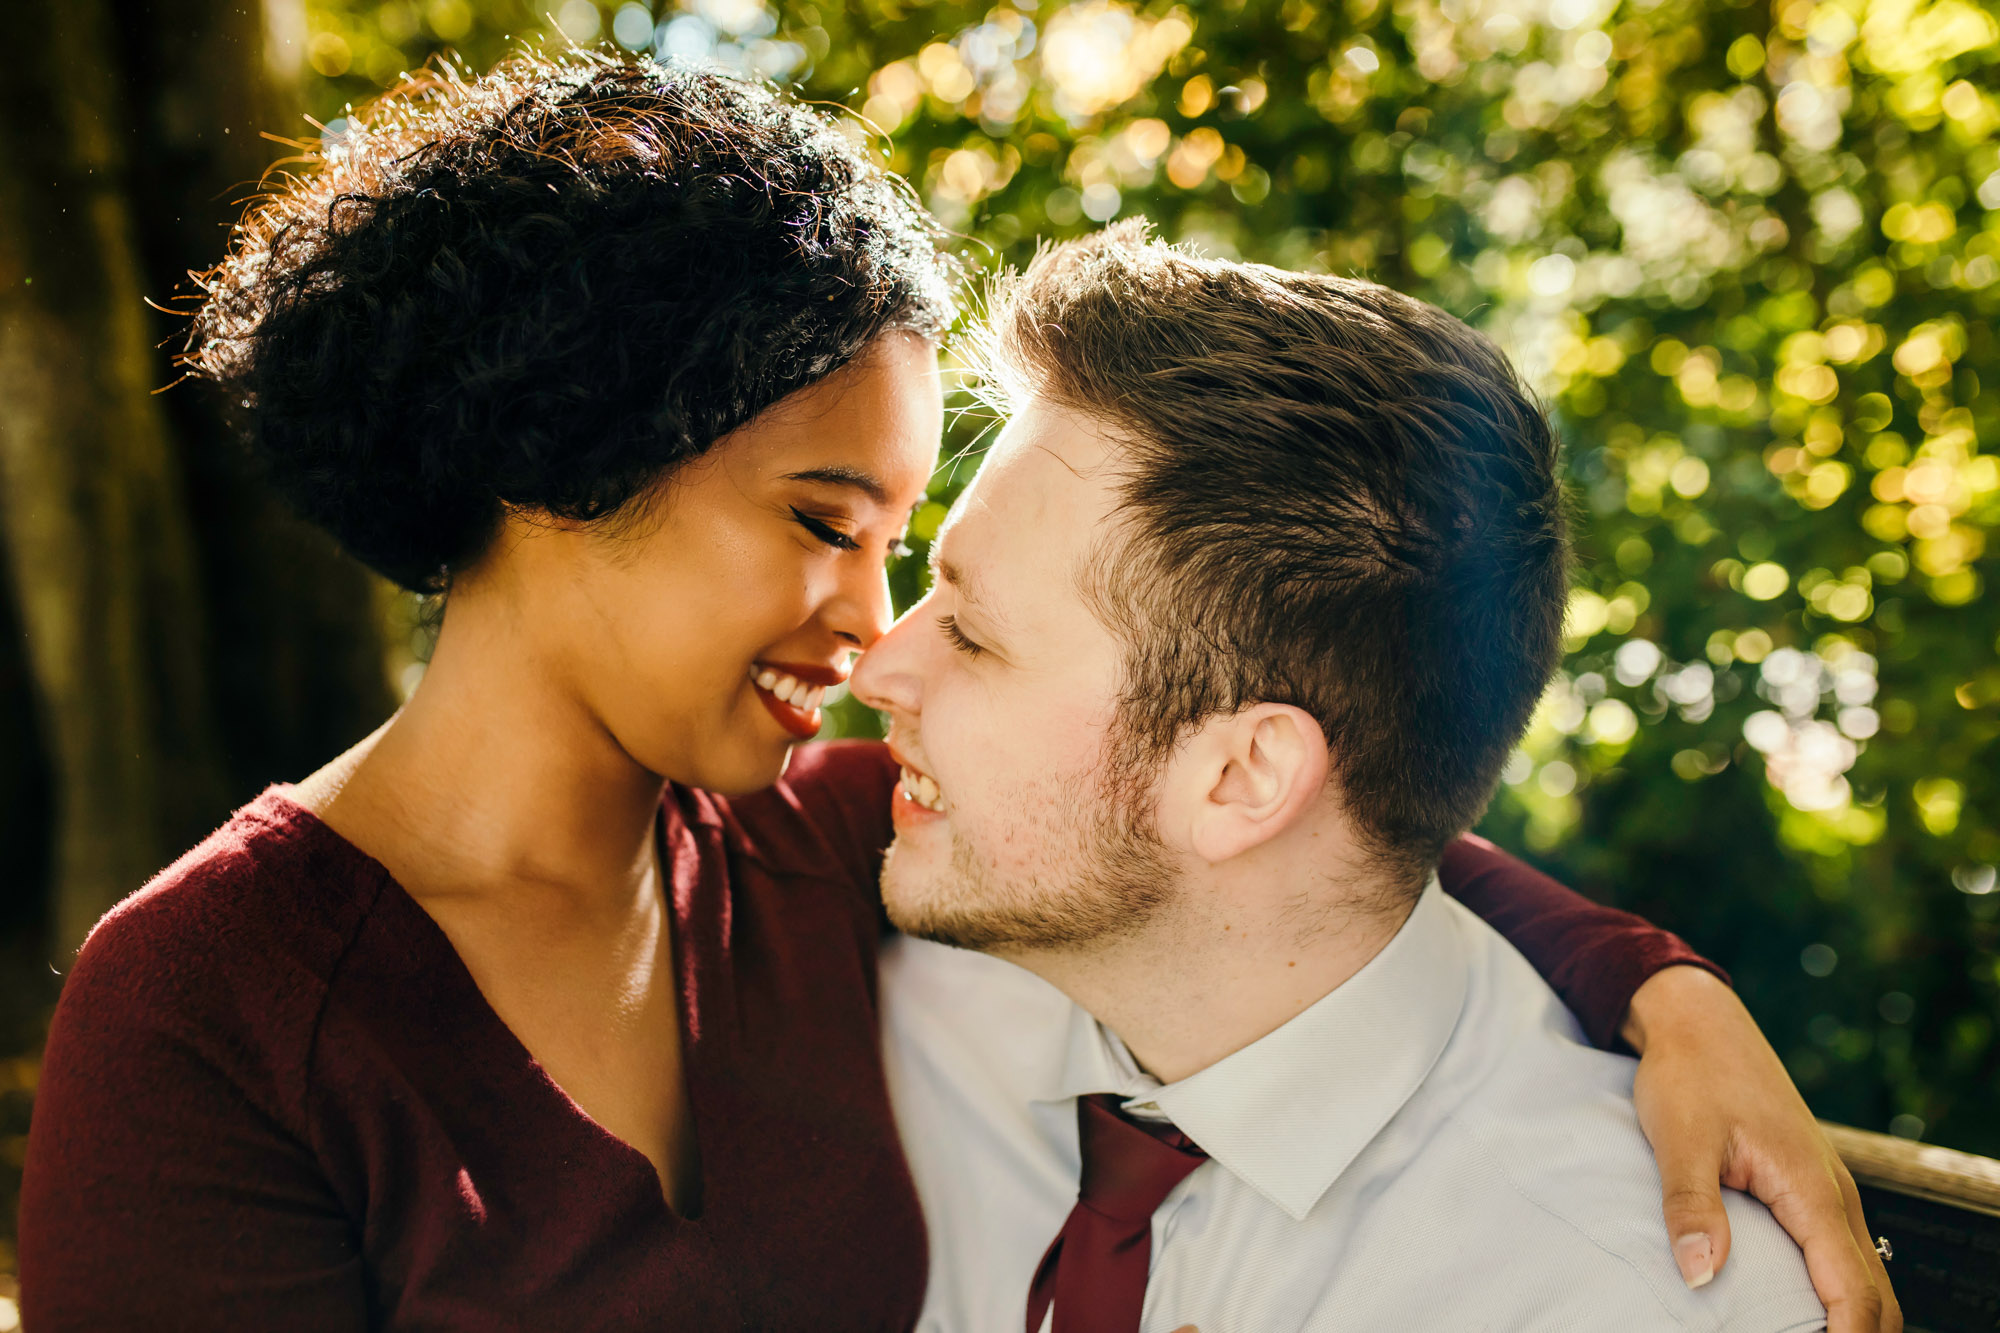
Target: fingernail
[(1697, 1259)]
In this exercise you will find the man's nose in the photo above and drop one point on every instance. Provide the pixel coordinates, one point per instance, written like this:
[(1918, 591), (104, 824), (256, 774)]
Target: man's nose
[(886, 677)]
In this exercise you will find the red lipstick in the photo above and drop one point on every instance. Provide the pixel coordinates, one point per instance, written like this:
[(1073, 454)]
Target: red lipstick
[(791, 693)]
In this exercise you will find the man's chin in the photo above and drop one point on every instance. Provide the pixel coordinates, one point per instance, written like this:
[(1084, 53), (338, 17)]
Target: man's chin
[(981, 928), (931, 896), (925, 912), (958, 932), (921, 919)]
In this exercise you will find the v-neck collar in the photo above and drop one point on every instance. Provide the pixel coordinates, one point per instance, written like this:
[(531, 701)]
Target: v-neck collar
[(444, 967)]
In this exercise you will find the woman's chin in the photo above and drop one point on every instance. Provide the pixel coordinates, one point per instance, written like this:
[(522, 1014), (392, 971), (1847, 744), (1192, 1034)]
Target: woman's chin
[(756, 766), (738, 762)]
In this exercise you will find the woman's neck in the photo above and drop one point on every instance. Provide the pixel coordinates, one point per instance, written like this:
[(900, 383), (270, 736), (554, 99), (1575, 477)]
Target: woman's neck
[(495, 777)]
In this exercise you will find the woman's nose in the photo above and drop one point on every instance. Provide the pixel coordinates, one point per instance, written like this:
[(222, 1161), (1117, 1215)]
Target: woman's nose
[(862, 611)]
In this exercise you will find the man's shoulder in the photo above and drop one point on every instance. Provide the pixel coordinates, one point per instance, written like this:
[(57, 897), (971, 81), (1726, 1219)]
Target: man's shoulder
[(1571, 1165), (1518, 1089)]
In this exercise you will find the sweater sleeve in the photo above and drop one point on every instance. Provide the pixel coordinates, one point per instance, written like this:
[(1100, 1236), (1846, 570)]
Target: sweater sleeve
[(162, 1188), (845, 788), (1595, 957)]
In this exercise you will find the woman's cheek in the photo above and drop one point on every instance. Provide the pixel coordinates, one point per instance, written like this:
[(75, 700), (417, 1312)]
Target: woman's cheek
[(786, 585)]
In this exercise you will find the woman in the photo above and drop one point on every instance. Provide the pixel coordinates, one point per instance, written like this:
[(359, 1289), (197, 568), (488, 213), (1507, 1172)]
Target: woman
[(543, 1005)]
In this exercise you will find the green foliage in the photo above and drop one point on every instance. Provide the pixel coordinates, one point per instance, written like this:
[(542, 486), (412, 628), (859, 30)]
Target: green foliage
[(1751, 255)]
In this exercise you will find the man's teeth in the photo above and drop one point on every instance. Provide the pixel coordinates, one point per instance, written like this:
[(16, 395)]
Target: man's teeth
[(923, 789), (787, 690)]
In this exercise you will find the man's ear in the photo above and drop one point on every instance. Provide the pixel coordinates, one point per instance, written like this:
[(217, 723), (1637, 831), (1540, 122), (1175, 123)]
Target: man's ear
[(1250, 777)]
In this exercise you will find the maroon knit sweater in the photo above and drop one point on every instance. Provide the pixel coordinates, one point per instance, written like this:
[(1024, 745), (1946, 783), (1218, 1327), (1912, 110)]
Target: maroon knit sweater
[(275, 1099)]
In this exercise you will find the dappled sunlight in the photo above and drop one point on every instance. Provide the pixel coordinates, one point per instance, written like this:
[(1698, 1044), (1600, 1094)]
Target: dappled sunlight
[(1752, 259), (1749, 255)]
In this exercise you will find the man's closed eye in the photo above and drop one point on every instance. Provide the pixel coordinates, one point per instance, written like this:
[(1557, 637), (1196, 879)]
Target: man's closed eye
[(959, 639)]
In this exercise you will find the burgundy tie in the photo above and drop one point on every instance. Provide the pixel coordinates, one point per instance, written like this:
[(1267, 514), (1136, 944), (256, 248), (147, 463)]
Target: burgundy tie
[(1095, 1270)]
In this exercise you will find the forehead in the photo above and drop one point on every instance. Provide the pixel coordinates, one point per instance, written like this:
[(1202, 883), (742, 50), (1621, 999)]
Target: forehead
[(879, 417), (1035, 511)]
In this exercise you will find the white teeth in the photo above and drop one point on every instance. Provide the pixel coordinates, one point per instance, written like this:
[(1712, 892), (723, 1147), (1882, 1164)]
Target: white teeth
[(922, 789), (782, 687)]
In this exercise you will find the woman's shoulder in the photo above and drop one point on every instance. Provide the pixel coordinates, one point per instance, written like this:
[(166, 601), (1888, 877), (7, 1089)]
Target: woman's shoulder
[(829, 813), (859, 774), (175, 1092), (248, 926), (833, 797)]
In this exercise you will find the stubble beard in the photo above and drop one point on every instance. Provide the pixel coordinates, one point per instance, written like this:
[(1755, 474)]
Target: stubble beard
[(1097, 873)]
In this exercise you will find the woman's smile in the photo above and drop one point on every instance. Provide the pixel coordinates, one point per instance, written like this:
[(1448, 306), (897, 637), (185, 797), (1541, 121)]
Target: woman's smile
[(793, 692)]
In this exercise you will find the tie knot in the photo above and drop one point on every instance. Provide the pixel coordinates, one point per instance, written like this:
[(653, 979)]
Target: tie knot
[(1129, 1167)]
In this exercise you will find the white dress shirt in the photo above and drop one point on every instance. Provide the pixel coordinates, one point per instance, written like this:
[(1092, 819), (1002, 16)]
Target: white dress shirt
[(1432, 1146)]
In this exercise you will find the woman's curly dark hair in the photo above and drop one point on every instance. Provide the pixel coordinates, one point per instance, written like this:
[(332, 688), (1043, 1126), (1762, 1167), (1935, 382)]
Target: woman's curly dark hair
[(547, 288)]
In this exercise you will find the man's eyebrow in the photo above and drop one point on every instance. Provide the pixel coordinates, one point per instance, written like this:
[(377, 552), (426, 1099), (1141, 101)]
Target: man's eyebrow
[(839, 475), (961, 581)]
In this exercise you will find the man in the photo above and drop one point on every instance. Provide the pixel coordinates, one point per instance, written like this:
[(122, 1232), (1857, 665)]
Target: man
[(1265, 576)]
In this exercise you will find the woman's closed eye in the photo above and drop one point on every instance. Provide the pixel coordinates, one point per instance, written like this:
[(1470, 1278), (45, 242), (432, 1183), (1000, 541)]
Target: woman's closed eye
[(825, 531)]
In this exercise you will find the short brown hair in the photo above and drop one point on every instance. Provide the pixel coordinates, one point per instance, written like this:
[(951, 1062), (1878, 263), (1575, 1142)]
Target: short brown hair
[(1334, 496)]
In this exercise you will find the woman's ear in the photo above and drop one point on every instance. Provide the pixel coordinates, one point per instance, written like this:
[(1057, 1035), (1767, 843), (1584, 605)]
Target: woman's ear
[(1250, 777)]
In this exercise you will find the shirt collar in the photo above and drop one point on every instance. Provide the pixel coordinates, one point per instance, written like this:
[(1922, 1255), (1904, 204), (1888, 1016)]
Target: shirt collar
[(1290, 1111)]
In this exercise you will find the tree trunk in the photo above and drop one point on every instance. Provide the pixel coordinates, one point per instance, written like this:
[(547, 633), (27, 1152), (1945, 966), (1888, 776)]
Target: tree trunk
[(294, 650), (24, 778), (97, 538), (187, 644)]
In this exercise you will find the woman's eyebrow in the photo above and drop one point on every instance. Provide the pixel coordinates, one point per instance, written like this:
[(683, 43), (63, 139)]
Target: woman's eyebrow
[(841, 475)]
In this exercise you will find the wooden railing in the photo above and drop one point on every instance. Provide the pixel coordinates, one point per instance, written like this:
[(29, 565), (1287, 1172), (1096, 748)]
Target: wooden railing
[(1940, 1212)]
